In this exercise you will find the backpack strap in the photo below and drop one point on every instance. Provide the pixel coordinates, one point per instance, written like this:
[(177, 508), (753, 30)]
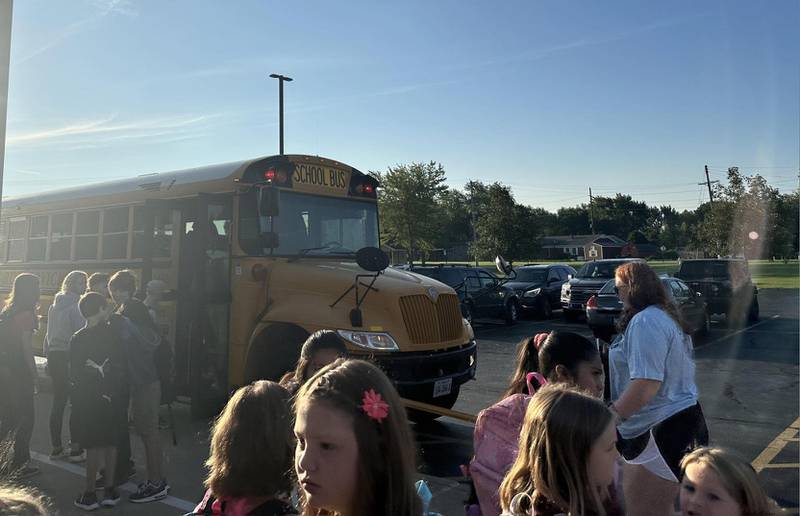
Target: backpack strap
[(541, 380)]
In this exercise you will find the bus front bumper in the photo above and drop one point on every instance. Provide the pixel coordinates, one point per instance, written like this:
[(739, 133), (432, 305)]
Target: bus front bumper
[(415, 374)]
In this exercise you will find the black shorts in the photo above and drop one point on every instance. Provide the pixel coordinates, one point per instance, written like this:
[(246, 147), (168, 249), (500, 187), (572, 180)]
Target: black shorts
[(660, 449)]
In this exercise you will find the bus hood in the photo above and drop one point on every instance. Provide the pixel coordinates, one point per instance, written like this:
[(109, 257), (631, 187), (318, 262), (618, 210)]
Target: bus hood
[(420, 313)]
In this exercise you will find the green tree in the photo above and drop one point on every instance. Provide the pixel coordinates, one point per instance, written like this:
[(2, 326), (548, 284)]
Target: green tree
[(408, 203), (502, 226), (453, 216)]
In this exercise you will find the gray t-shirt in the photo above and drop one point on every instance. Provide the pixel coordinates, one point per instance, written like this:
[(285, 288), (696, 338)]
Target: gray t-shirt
[(653, 347)]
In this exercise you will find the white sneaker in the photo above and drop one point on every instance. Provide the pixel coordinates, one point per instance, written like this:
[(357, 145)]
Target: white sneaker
[(77, 456)]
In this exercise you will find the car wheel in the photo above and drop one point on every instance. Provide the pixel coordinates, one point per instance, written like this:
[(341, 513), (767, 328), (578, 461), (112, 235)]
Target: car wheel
[(546, 310), (512, 312)]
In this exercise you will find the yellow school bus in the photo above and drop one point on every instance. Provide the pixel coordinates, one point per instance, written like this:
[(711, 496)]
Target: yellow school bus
[(256, 255)]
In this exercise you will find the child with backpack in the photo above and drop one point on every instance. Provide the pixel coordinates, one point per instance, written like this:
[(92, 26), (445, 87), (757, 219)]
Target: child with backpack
[(143, 381), (355, 452), (566, 458), (97, 400), (556, 357)]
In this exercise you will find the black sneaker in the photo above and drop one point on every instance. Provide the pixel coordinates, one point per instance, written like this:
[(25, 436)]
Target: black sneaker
[(150, 492), (87, 502), (26, 472), (110, 497)]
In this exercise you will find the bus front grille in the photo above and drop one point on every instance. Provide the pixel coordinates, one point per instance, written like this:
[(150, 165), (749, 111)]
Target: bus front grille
[(429, 322)]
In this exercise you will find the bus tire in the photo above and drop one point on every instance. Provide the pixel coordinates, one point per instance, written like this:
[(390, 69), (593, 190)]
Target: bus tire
[(274, 352)]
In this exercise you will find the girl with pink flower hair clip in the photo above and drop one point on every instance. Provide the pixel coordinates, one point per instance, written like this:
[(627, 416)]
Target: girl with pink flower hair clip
[(355, 452)]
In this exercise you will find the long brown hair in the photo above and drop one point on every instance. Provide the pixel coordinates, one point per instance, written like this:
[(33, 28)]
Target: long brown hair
[(251, 443), (738, 478), (386, 452), (24, 294), (542, 352), (645, 289), (560, 427)]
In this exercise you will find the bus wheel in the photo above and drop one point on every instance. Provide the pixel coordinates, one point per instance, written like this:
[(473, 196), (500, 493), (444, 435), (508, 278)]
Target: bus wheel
[(447, 401), (275, 352)]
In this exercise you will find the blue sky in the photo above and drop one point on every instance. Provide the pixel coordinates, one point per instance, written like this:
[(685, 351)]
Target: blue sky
[(549, 97)]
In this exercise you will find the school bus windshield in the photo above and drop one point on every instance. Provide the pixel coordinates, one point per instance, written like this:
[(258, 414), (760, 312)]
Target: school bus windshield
[(310, 225)]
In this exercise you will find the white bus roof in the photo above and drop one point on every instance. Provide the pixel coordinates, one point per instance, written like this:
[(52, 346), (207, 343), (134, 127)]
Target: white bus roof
[(160, 182)]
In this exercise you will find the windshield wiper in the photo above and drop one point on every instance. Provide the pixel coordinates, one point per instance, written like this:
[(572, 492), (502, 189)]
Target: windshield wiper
[(304, 252)]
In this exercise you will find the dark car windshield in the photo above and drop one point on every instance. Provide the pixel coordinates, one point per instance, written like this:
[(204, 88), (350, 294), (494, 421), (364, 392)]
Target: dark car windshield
[(608, 288), (531, 275), (449, 277), (599, 270), (711, 269)]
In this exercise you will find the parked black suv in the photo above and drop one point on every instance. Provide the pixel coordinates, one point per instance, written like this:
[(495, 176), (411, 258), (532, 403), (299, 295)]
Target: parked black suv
[(589, 280), (482, 294), (726, 285), (538, 287)]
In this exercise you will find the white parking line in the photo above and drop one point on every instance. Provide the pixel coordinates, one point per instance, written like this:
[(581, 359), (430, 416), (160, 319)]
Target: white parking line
[(130, 487), (746, 328)]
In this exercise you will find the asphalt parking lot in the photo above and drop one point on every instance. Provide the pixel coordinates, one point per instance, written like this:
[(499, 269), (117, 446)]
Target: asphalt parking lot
[(748, 381)]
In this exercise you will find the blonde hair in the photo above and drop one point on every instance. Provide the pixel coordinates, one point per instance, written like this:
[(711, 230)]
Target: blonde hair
[(73, 279), (386, 452), (738, 478), (560, 427), (22, 501)]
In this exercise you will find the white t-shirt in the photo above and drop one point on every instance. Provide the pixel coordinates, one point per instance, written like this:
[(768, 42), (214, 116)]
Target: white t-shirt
[(653, 347)]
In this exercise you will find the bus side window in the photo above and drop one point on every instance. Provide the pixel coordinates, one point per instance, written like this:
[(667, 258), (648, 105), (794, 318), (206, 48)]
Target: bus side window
[(17, 230)]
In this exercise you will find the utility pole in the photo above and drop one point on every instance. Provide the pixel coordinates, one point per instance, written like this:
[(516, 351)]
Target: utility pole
[(6, 7), (472, 219), (591, 210), (708, 183), (281, 79)]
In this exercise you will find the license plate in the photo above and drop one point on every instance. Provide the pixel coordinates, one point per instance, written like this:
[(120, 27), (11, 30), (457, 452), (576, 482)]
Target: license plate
[(442, 387)]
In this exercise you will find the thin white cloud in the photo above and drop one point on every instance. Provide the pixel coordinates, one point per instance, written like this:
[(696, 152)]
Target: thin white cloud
[(107, 130), (541, 53), (104, 8)]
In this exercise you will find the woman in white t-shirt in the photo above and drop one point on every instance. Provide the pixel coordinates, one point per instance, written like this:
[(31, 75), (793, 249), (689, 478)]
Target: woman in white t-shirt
[(653, 391)]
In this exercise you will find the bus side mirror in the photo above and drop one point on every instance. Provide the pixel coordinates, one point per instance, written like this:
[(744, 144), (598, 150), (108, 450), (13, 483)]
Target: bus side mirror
[(372, 259), (503, 266), (270, 240), (268, 201)]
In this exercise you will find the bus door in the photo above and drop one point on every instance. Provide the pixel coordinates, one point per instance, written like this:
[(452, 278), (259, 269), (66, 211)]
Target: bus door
[(204, 300)]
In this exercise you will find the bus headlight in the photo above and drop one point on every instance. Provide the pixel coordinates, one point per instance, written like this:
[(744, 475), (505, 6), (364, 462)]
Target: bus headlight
[(370, 340)]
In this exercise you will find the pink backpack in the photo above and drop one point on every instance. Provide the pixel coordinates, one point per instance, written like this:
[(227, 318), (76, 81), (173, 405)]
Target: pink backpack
[(496, 441)]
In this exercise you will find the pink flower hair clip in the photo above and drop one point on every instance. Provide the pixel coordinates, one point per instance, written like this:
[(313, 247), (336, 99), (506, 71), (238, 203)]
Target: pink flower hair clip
[(374, 406)]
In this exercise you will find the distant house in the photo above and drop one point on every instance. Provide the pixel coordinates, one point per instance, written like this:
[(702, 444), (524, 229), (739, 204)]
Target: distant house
[(582, 247)]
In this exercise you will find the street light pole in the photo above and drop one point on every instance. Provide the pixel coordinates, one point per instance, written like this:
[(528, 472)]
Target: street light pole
[(281, 79)]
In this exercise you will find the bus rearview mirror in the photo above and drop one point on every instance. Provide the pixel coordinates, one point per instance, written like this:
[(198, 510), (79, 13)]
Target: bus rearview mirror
[(268, 202)]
